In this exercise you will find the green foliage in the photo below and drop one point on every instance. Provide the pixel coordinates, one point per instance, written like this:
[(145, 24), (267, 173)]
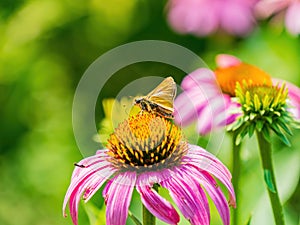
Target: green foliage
[(269, 181), (264, 108)]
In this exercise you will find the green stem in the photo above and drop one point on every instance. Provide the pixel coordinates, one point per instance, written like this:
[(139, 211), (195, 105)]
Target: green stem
[(236, 168), (148, 218), (267, 163)]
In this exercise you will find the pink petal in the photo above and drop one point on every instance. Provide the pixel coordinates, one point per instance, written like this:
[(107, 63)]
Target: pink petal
[(189, 197), (265, 8), (231, 113), (75, 192), (84, 179), (185, 110), (224, 60), (91, 164), (100, 156), (236, 18), (201, 79), (214, 191), (118, 198), (204, 160), (150, 178), (213, 115), (294, 95), (203, 100), (96, 184), (292, 19), (157, 205), (192, 16), (200, 87), (188, 105)]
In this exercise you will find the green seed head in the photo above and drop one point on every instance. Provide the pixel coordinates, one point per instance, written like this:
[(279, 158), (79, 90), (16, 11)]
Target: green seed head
[(264, 108)]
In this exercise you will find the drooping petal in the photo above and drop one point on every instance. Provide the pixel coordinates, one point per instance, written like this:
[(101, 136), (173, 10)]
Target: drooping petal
[(157, 205), (224, 60), (206, 161), (92, 170), (213, 190), (292, 19), (86, 168), (95, 185), (188, 196), (118, 197), (294, 95)]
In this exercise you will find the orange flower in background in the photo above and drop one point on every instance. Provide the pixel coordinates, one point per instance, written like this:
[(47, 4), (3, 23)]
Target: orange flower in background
[(209, 97)]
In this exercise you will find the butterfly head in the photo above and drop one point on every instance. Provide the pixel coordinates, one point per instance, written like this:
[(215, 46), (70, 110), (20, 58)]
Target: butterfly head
[(138, 101)]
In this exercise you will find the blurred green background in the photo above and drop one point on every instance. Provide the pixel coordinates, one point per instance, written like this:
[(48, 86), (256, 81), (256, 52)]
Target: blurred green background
[(45, 47)]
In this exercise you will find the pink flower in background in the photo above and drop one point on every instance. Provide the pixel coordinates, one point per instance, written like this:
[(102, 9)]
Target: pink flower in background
[(202, 101), (289, 9), (208, 97), (146, 150), (204, 17)]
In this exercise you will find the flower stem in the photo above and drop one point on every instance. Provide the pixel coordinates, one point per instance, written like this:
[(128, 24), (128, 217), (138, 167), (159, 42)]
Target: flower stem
[(267, 163), (236, 167), (148, 218)]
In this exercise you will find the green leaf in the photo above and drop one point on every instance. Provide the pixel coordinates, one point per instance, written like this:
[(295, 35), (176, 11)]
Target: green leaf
[(269, 181), (245, 131), (238, 139), (275, 128), (249, 220), (251, 129), (284, 139), (96, 216), (266, 134), (246, 118), (134, 219), (236, 125), (269, 119), (281, 136), (259, 125), (285, 127), (252, 116), (242, 132)]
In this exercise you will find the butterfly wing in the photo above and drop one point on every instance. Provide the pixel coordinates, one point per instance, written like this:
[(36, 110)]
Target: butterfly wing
[(163, 95)]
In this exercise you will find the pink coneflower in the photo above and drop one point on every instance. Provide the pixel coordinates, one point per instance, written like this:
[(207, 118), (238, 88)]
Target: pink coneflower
[(209, 97), (204, 17), (289, 9), (144, 151)]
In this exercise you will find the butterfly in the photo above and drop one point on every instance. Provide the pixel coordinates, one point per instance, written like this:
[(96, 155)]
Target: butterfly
[(160, 99)]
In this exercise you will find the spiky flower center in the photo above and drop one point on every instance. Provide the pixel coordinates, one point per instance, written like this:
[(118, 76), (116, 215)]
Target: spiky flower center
[(146, 141), (263, 107), (228, 77), (261, 100)]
